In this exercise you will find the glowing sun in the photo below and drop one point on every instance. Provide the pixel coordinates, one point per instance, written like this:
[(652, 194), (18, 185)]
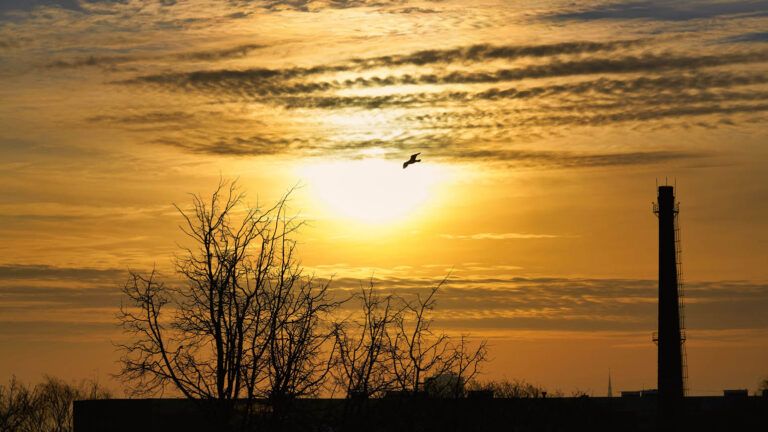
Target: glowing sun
[(372, 190)]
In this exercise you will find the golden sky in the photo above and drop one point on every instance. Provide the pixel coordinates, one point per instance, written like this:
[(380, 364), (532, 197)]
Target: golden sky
[(543, 128)]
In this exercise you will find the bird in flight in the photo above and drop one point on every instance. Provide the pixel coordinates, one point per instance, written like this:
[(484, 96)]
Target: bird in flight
[(412, 160)]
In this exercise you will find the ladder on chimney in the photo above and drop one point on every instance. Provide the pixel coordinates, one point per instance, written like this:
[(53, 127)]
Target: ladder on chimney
[(681, 296)]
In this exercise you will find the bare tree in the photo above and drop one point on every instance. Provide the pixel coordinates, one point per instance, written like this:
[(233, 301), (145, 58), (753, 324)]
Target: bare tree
[(465, 363), (245, 323), (363, 367), (416, 350), (390, 345), (299, 333)]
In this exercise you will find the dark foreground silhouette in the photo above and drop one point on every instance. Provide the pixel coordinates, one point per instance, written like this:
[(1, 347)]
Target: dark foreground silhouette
[(424, 414)]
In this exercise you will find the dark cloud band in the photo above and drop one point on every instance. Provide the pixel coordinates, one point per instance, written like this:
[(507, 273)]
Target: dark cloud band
[(115, 60), (253, 83), (471, 302), (271, 78)]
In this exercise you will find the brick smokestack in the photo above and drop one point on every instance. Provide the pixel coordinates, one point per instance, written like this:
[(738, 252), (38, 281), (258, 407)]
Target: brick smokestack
[(670, 354)]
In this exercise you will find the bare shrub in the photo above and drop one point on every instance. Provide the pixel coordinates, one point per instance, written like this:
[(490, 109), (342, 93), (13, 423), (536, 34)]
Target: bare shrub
[(44, 407), (510, 389)]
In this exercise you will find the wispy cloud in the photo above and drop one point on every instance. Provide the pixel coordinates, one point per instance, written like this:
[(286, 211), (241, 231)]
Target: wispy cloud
[(747, 38), (220, 54), (679, 10), (498, 236), (211, 55), (445, 147), (144, 118), (315, 6), (27, 5), (581, 304), (29, 298), (72, 331), (47, 272), (485, 52), (240, 146)]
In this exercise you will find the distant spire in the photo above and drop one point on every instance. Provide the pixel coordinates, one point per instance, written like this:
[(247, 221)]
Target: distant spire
[(610, 387)]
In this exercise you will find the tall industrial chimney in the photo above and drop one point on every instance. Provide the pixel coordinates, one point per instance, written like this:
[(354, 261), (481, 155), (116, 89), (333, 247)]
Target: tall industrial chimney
[(670, 337)]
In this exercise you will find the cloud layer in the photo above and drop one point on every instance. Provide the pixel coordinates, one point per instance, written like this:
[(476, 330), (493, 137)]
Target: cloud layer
[(461, 99), (470, 101), (466, 302)]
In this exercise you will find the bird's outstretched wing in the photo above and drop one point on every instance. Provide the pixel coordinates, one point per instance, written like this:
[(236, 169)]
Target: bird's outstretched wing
[(411, 160)]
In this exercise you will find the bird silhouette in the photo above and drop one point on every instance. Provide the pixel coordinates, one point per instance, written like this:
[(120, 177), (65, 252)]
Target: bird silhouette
[(412, 160)]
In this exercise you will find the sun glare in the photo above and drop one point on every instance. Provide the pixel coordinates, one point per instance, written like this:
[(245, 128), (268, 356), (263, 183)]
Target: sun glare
[(371, 190)]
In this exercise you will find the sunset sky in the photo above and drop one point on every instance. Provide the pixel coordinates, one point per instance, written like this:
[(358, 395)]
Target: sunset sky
[(543, 128)]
